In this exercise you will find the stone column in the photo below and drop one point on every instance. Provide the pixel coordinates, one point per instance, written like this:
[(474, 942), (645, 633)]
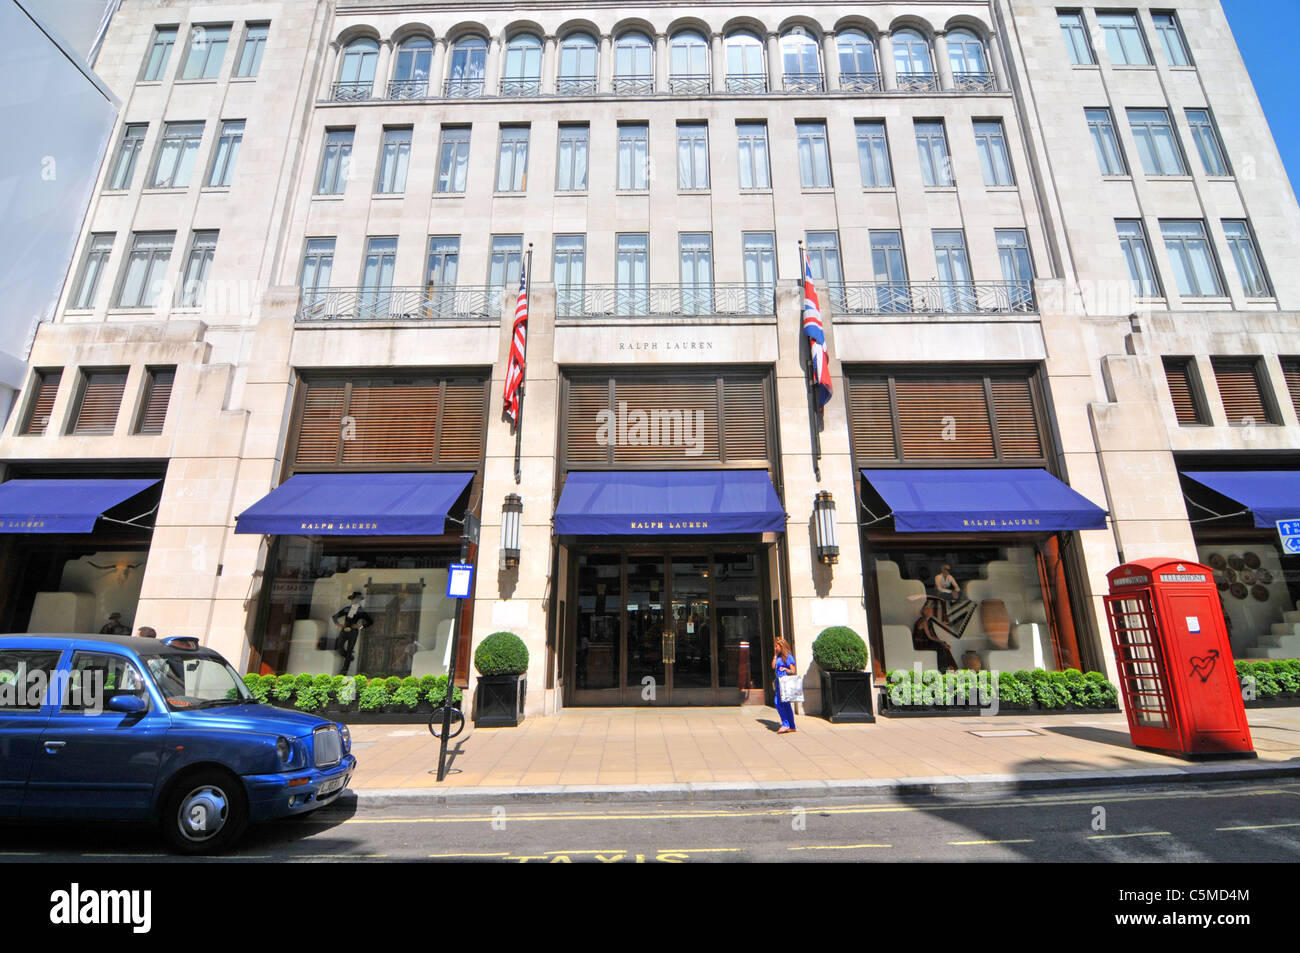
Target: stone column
[(718, 61), (380, 88), (605, 65), (942, 67), (774, 63), (831, 63), (550, 64), (885, 50), (995, 63), (492, 70), (331, 70), (437, 66), (661, 63)]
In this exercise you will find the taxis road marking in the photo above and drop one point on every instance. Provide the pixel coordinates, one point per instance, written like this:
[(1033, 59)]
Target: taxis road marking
[(502, 854), (838, 846), (1120, 836), (659, 850), (345, 856), (977, 843), (1258, 827)]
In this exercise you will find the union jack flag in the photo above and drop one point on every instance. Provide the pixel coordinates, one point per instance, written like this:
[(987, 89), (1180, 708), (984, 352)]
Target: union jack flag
[(812, 326), (518, 346)]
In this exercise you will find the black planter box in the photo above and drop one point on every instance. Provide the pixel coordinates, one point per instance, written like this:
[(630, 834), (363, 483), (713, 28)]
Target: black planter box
[(499, 700), (1277, 701), (846, 697)]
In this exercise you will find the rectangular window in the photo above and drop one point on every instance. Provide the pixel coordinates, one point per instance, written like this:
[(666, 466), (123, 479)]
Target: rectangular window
[(570, 272), (44, 389), (932, 149), (954, 273), (759, 251), (176, 155), (633, 156), (571, 173), (206, 50), (317, 264), (29, 673), (203, 247), (873, 154), (127, 153), (824, 259), (1192, 259), (394, 157), (752, 158), (99, 401), (1171, 38), (1254, 280), (92, 269), (444, 261), (1291, 374), (1185, 391), (250, 55), (1153, 133), (1243, 388), (1110, 157), (991, 143), (336, 161), (157, 395), (142, 281), (692, 156), (814, 155), (1207, 142), (453, 159), (506, 261), (1124, 43), (160, 50), (1076, 37), (512, 159), (376, 299), (632, 272), (1137, 255), (227, 151), (889, 271), (1017, 267), (696, 255)]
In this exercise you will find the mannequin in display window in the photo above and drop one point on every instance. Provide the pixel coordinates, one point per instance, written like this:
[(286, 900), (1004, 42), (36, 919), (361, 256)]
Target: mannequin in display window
[(925, 639), (351, 619)]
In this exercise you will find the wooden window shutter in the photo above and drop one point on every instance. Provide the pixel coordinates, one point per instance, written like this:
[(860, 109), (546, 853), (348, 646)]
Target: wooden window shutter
[(745, 419), (1013, 405), (1239, 386), (871, 423), (101, 399), (158, 394), (47, 388), (321, 424), (666, 402), (463, 415), (392, 422), (587, 398), (1291, 373), (923, 406), (1182, 390)]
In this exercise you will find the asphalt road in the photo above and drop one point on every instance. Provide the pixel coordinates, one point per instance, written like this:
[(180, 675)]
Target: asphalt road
[(1230, 822)]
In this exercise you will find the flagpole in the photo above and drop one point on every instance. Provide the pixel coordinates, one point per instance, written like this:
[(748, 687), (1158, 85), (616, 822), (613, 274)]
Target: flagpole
[(814, 411), (519, 420)]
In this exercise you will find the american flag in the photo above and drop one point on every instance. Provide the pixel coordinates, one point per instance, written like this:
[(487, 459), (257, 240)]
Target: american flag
[(518, 346), (812, 326)]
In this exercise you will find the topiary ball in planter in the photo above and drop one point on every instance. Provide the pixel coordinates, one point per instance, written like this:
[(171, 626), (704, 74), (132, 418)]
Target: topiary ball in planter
[(841, 655), (840, 649), (501, 653), (502, 663)]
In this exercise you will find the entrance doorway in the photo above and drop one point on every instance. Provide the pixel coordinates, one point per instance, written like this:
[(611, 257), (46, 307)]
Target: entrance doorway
[(668, 626)]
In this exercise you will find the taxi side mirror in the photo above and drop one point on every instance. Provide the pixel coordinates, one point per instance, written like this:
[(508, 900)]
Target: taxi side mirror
[(126, 703)]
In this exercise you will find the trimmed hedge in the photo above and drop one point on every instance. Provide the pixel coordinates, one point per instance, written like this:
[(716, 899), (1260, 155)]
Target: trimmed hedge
[(501, 653), (840, 649), (1022, 689), (1269, 679), (313, 693)]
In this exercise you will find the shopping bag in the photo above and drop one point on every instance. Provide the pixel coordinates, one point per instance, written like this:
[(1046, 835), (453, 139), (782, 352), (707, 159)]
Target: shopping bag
[(791, 688)]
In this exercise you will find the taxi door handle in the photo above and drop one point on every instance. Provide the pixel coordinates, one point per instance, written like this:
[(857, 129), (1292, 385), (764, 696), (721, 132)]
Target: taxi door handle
[(54, 747)]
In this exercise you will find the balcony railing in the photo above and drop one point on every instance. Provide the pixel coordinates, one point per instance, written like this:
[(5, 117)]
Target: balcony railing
[(634, 84), (408, 89), (576, 86), (860, 82), (917, 82), (401, 304), (804, 83), (463, 89), (747, 84), (933, 297), (974, 82), (592, 301), (521, 87), (351, 92), (690, 84)]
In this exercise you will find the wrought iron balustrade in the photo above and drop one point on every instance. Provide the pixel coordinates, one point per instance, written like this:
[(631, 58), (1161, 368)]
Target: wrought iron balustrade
[(747, 83), (576, 86), (690, 84), (401, 304), (521, 87), (631, 300), (933, 297), (463, 89), (860, 82), (634, 84), (917, 82), (974, 82), (803, 83), (408, 89), (351, 92)]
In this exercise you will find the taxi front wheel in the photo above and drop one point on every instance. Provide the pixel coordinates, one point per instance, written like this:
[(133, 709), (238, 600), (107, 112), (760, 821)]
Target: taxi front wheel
[(204, 812)]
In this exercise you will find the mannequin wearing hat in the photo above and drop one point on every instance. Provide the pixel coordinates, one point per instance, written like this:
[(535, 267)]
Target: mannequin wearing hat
[(351, 619), (114, 625)]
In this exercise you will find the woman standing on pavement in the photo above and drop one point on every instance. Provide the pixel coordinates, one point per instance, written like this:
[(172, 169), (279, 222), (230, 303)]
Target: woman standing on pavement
[(783, 664)]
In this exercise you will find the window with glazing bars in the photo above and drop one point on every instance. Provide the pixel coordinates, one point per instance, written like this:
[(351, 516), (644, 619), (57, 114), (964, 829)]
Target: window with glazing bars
[(93, 267), (317, 264), (250, 54), (633, 156), (692, 155), (512, 159), (1110, 157), (571, 171), (1207, 142), (1241, 240), (814, 155), (873, 154), (335, 162), (1075, 33), (506, 261), (1192, 259), (176, 155), (205, 51), (127, 152), (1157, 144), (932, 149), (453, 159), (227, 151), (1137, 256), (160, 50), (394, 158), (1124, 43), (1171, 38), (991, 143), (752, 158), (203, 247), (146, 266)]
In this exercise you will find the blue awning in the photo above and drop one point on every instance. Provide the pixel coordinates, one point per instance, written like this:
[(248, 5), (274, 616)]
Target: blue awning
[(1270, 495), (668, 503), (62, 506), (983, 501), (356, 504)]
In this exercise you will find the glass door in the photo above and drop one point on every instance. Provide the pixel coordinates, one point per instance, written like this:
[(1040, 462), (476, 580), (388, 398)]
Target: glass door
[(597, 619), (738, 602), (690, 631), (649, 645)]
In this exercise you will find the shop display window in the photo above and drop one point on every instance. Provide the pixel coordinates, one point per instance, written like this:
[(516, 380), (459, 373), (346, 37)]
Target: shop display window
[(92, 593), (1260, 591)]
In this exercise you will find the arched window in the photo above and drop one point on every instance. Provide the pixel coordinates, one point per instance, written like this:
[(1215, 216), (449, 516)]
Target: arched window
[(857, 61), (688, 61), (634, 65), (912, 64), (357, 71), (745, 71), (579, 55), (970, 67), (523, 68), (411, 70), (467, 68), (801, 62)]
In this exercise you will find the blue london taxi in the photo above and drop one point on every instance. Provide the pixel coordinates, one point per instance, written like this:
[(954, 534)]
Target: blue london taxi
[(121, 728)]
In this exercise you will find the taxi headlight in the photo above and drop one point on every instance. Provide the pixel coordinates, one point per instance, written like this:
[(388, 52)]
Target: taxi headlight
[(347, 738), (284, 749)]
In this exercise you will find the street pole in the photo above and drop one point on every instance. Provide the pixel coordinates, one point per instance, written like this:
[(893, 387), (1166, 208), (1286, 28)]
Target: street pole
[(449, 700)]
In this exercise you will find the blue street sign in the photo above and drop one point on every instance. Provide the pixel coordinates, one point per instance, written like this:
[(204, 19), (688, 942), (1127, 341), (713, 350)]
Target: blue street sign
[(459, 578), (1289, 532)]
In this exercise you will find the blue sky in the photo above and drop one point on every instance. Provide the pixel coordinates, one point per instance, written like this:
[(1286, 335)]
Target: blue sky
[(1266, 40)]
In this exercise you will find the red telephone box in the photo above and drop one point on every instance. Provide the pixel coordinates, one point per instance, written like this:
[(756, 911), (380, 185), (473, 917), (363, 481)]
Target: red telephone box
[(1181, 690)]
